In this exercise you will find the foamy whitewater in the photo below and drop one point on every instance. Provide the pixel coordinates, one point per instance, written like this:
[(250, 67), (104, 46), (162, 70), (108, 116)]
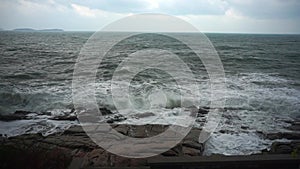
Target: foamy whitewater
[(262, 79)]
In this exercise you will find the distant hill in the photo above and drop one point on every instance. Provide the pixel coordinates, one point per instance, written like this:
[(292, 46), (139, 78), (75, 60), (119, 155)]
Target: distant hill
[(51, 30), (24, 30), (34, 30)]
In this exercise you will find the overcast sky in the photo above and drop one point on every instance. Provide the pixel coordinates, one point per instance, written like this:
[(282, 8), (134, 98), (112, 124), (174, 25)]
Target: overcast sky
[(234, 16)]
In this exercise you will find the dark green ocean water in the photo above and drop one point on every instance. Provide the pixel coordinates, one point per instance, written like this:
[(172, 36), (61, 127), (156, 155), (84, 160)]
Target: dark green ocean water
[(262, 79)]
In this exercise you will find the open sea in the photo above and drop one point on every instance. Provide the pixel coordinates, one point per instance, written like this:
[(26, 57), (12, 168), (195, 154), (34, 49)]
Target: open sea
[(262, 84)]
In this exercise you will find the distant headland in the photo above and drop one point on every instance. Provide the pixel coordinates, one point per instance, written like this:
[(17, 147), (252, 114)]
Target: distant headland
[(39, 30)]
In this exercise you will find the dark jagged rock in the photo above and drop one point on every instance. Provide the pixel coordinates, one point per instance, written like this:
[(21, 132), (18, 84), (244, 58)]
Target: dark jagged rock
[(22, 113), (282, 135), (11, 117), (292, 147), (116, 118), (104, 111), (65, 117), (285, 148), (203, 110), (45, 113), (295, 126), (143, 115), (18, 115), (25, 115), (225, 131), (244, 127), (293, 134)]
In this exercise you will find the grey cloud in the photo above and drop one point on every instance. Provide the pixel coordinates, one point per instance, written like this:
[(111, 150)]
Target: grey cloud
[(267, 9), (261, 15), (258, 9), (174, 7)]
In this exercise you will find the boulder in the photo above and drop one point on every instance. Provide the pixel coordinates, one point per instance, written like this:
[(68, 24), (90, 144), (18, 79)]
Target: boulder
[(104, 111), (282, 135), (115, 118), (203, 110), (295, 126), (18, 115), (64, 117), (143, 115), (285, 147)]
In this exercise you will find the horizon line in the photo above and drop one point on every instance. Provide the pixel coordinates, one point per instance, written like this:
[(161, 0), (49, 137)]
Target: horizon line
[(205, 32)]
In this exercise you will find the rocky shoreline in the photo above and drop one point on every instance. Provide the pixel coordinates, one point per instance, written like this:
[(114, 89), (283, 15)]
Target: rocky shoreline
[(290, 147), (60, 150)]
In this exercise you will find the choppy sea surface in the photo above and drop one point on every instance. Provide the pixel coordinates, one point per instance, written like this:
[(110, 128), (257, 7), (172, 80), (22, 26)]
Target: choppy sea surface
[(262, 84)]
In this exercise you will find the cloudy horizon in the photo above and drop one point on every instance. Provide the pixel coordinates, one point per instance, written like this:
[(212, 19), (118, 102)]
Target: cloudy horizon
[(220, 16)]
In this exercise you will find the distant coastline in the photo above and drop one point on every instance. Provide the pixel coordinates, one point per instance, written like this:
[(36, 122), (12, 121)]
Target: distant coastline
[(206, 33), (35, 30)]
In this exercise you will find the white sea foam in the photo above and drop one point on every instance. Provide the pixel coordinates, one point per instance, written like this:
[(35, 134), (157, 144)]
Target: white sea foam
[(251, 102), (43, 126), (236, 144)]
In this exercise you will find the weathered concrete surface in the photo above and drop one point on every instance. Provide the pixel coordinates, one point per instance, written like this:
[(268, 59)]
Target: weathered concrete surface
[(277, 161)]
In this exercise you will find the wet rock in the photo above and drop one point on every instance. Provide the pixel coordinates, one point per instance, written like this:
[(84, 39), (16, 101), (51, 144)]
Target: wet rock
[(143, 115), (244, 127), (295, 126), (104, 111), (116, 118), (72, 111), (18, 115), (230, 117), (281, 135), (23, 113), (222, 131), (140, 131), (191, 151), (193, 144), (110, 121), (170, 153), (97, 157), (45, 113), (285, 147), (203, 110), (64, 117), (11, 117), (123, 129), (117, 161)]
